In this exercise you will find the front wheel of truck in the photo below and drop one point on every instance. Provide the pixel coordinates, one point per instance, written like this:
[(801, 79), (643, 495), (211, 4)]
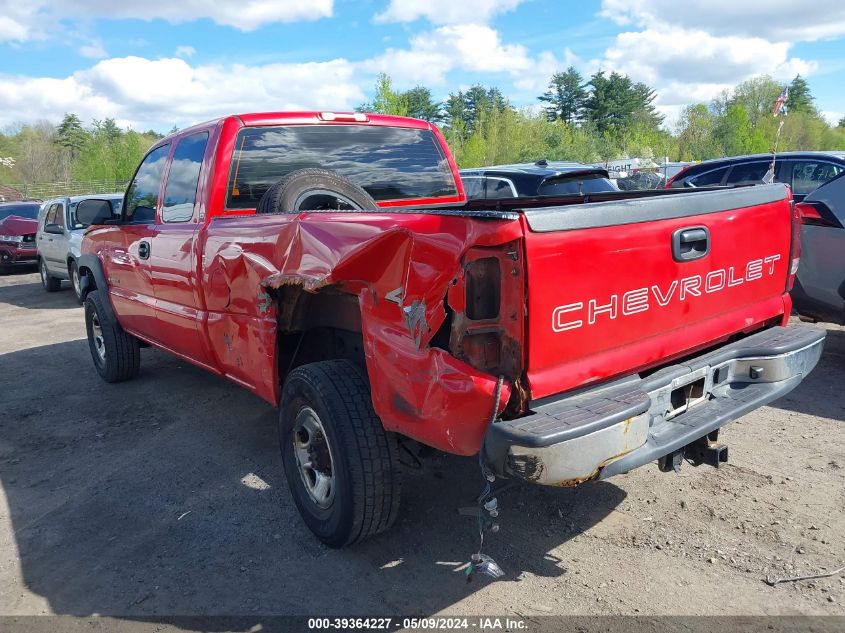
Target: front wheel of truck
[(340, 463), (116, 354)]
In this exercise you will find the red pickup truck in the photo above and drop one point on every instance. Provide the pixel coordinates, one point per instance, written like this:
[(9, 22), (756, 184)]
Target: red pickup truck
[(330, 264)]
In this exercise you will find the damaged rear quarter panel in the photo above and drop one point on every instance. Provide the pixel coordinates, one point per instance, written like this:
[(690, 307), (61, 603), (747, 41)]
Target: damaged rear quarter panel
[(399, 265)]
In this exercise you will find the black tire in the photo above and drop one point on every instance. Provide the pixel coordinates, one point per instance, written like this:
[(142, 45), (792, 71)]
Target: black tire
[(116, 355), (75, 281), (314, 189), (4, 270), (50, 283), (363, 457)]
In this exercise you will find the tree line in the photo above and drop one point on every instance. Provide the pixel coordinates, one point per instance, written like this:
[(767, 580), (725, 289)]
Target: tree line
[(609, 116), (595, 119), (45, 153)]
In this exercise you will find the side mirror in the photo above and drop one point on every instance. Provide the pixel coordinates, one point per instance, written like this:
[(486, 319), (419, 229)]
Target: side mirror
[(55, 229), (94, 211)]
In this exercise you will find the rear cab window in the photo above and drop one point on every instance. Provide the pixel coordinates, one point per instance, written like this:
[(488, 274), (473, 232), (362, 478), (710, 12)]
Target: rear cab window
[(390, 163)]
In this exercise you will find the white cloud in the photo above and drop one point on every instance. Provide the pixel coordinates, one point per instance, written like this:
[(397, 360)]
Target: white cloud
[(536, 78), (774, 20), (94, 50), (692, 55), (31, 19), (833, 117), (147, 93), (445, 11), (468, 47), (185, 51)]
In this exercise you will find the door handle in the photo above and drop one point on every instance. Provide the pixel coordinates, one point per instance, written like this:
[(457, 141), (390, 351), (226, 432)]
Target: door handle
[(690, 243), (144, 250)]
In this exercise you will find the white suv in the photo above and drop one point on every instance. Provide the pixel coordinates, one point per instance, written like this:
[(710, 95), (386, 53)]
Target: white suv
[(59, 238)]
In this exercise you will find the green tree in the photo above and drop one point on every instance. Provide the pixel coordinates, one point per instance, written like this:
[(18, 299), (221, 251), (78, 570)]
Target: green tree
[(733, 131), (565, 97), (70, 135), (800, 99), (107, 129), (71, 138), (758, 96), (421, 105), (386, 100), (695, 133), (615, 102)]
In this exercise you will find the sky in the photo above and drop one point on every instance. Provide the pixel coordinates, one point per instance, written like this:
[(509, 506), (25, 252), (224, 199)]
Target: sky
[(159, 63)]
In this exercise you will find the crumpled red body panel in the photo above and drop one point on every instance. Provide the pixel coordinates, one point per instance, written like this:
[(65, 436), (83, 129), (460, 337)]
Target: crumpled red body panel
[(399, 265)]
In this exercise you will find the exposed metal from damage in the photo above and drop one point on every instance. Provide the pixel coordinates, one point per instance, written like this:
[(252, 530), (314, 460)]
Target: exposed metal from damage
[(413, 260)]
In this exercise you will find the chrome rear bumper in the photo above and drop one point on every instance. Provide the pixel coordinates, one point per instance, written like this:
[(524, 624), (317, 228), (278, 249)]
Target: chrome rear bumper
[(604, 431)]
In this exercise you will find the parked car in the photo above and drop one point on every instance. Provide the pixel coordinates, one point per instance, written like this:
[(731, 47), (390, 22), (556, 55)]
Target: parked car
[(640, 180), (802, 171), (543, 178), (17, 234), (819, 292), (327, 263), (59, 238)]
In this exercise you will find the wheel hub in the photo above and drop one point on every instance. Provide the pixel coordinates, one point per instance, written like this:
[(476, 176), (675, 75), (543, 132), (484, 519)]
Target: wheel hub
[(314, 457), (99, 342)]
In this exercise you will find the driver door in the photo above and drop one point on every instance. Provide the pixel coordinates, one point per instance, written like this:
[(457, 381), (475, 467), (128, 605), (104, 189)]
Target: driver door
[(128, 268)]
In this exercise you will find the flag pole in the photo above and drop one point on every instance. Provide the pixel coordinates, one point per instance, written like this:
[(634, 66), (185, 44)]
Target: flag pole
[(775, 152), (780, 108)]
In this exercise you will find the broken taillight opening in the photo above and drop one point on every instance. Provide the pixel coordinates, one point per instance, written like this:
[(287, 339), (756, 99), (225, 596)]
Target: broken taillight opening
[(484, 284), (487, 298), (484, 348), (795, 246)]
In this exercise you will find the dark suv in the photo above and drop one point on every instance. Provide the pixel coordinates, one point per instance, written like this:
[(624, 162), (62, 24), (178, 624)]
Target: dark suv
[(529, 180), (803, 171)]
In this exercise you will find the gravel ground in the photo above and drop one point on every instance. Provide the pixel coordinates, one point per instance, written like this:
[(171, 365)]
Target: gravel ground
[(165, 495)]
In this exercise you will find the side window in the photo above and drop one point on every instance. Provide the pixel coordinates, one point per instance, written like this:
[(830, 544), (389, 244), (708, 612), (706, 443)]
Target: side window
[(51, 215), (142, 196), (473, 186), (748, 173), (60, 215), (499, 188), (180, 193), (709, 179), (809, 175)]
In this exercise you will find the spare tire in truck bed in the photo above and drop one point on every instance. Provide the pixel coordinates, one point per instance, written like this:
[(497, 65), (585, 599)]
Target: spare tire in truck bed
[(315, 189)]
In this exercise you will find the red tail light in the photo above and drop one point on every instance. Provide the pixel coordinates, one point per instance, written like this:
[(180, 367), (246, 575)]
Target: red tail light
[(810, 215), (795, 247)]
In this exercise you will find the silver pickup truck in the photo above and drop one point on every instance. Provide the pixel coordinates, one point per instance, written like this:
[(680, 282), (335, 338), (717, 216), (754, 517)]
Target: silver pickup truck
[(59, 237)]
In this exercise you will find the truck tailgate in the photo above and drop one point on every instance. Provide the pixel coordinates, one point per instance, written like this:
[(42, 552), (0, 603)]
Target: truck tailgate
[(616, 287)]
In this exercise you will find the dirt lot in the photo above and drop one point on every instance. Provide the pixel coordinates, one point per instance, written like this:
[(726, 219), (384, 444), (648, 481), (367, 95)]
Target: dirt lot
[(165, 495)]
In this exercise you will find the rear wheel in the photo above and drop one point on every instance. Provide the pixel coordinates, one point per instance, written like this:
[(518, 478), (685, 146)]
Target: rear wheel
[(116, 354), (50, 283), (340, 463)]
